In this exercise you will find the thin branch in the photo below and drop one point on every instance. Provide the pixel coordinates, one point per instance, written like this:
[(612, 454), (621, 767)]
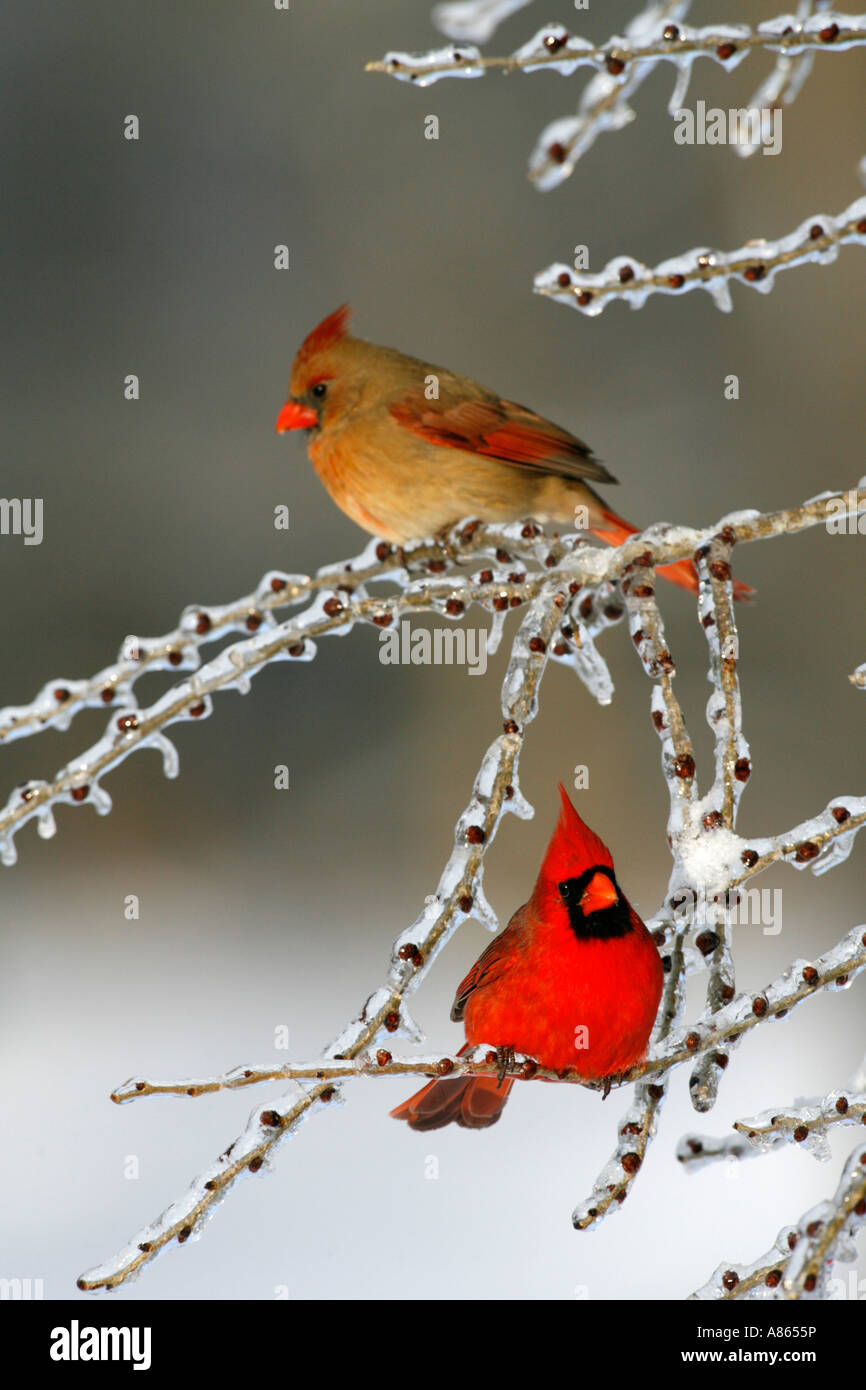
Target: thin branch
[(819, 844), (696, 1150), (678, 757), (604, 102), (802, 980), (133, 728), (620, 65), (201, 624), (836, 1220), (551, 48), (637, 1128), (799, 981), (799, 1263), (805, 1126), (784, 83), (733, 768), (765, 1274)]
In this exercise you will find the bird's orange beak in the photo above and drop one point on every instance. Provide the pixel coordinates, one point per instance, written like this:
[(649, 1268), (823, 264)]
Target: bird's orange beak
[(294, 416), (598, 894)]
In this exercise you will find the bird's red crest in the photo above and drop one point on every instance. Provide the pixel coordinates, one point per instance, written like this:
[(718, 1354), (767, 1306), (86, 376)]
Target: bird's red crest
[(573, 846), (328, 332)]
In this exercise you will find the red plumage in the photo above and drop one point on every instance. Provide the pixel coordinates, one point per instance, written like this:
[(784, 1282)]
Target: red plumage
[(574, 981)]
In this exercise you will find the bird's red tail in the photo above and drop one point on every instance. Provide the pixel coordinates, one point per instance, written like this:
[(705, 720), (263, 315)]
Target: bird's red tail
[(474, 1102), (681, 573)]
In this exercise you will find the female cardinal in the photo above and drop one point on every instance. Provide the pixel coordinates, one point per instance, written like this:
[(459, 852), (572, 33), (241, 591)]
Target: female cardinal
[(573, 981), (406, 449)]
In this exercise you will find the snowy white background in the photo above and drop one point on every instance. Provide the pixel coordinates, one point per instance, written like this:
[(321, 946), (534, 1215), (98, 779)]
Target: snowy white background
[(262, 908)]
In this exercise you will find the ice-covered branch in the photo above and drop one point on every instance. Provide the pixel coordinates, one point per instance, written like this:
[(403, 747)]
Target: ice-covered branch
[(604, 102), (201, 624), (819, 844), (655, 35), (805, 1126), (816, 241), (474, 20), (839, 967), (829, 1231), (668, 1049), (555, 50), (348, 1057), (733, 768), (800, 1262), (459, 895), (637, 1128), (783, 83), (697, 1150), (338, 602)]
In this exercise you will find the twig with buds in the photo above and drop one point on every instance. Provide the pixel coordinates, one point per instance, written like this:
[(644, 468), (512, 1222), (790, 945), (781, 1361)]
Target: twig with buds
[(554, 49), (801, 980), (800, 1262), (655, 35), (805, 1126), (816, 241)]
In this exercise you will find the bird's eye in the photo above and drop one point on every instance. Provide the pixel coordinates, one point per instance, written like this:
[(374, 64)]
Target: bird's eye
[(563, 890), (319, 389)]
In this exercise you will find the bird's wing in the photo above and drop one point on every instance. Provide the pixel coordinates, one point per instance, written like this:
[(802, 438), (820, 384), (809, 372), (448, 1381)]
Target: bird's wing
[(491, 965), (499, 429)]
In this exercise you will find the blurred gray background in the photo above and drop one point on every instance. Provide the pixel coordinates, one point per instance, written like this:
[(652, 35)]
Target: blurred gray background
[(261, 908)]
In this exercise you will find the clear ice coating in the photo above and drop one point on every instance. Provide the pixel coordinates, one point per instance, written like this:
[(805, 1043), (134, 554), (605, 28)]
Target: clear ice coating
[(696, 1151), (603, 103), (190, 1213), (459, 60), (474, 21), (784, 82), (802, 1249), (707, 862), (575, 52), (805, 1125), (847, 958), (755, 264), (635, 1130)]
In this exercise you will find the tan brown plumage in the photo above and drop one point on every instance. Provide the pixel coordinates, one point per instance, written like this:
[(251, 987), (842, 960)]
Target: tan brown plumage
[(406, 448)]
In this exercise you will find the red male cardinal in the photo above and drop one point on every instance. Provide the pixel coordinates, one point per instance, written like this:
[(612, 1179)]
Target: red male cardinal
[(406, 449), (573, 981)]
